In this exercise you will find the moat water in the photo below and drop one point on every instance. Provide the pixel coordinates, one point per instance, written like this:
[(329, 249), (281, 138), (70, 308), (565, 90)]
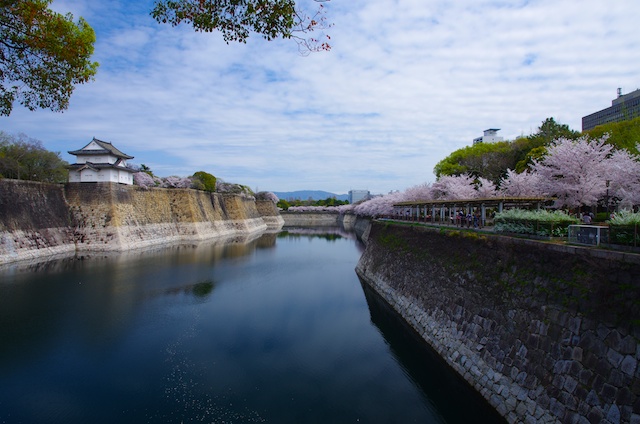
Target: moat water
[(273, 330)]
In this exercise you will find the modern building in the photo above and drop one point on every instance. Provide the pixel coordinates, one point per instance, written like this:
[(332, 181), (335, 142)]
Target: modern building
[(100, 161), (489, 136), (623, 108), (358, 195)]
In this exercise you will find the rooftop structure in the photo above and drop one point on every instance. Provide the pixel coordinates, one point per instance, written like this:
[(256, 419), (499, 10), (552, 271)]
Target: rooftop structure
[(623, 108), (490, 135)]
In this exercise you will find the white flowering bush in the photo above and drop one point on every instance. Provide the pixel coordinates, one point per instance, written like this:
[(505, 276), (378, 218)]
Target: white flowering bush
[(175, 182), (537, 222), (145, 180), (231, 188)]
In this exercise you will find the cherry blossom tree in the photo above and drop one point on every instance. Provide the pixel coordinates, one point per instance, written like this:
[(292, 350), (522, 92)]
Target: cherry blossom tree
[(418, 192), (145, 180), (623, 177), (574, 171), (379, 206), (485, 188), (267, 195), (525, 184), (175, 182), (454, 187)]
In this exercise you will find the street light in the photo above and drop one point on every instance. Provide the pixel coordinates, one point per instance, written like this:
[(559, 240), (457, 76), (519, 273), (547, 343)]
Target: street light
[(608, 199)]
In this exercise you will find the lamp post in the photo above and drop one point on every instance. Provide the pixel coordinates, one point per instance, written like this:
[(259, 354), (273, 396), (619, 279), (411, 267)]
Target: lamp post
[(607, 199)]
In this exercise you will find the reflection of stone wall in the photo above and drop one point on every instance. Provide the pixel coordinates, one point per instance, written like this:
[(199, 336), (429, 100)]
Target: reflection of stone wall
[(546, 333), (41, 219)]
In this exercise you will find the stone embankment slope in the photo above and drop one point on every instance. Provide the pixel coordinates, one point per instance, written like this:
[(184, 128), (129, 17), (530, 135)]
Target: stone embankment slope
[(44, 219), (34, 221), (311, 219), (546, 333)]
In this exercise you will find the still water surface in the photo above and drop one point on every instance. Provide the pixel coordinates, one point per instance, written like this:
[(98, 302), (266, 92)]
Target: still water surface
[(275, 330)]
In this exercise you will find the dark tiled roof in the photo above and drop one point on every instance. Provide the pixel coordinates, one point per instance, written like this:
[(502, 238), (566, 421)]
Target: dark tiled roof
[(106, 146), (97, 166)]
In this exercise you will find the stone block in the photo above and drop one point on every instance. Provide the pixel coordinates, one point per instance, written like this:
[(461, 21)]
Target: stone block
[(629, 345), (585, 376), (557, 408), (608, 393), (616, 378), (574, 325), (614, 357), (570, 384), (593, 399), (613, 340), (629, 365), (624, 397), (613, 414), (595, 416), (586, 340), (576, 354)]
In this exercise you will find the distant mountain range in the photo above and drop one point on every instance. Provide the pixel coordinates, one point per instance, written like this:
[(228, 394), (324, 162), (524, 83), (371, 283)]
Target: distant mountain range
[(306, 194)]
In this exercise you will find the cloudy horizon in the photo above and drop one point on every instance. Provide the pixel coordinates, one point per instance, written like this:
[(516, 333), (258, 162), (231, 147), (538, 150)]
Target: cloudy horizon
[(406, 83)]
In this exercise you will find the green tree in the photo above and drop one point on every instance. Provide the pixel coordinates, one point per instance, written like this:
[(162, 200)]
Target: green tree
[(492, 160), (622, 135), (535, 145), (24, 158), (43, 55), (487, 160), (144, 168), (204, 181), (283, 204), (237, 19), (550, 130)]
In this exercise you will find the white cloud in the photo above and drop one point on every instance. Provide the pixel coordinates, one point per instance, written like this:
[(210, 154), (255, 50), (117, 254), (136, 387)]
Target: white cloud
[(406, 83)]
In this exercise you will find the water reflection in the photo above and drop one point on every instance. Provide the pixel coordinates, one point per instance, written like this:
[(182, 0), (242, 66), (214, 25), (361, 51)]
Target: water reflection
[(274, 329), (326, 233), (427, 369)]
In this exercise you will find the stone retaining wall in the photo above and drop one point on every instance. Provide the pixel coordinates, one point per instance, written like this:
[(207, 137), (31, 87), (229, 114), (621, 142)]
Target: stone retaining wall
[(270, 215), (40, 220), (311, 219), (28, 228), (546, 333)]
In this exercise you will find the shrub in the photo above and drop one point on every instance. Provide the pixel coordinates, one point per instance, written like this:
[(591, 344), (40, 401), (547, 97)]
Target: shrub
[(538, 222), (203, 181), (623, 228)]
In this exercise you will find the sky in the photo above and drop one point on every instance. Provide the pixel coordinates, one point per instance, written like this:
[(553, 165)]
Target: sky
[(406, 83)]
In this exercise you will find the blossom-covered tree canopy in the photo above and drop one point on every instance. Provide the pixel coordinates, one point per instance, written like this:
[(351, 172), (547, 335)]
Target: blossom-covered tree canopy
[(454, 187), (623, 178), (574, 171), (525, 184)]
